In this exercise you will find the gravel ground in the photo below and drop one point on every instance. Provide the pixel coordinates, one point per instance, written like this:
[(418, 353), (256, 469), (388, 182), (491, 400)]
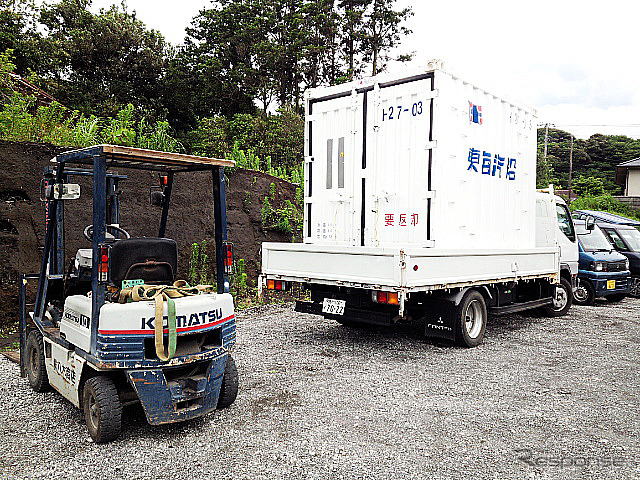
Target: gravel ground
[(541, 398)]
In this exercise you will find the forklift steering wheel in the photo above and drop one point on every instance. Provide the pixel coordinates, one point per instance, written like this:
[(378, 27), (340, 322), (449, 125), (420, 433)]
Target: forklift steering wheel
[(88, 232)]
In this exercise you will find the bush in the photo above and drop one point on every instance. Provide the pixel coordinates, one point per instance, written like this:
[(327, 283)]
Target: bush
[(604, 203), (588, 186)]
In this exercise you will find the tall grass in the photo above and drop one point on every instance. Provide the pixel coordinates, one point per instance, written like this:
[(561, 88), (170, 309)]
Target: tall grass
[(57, 125)]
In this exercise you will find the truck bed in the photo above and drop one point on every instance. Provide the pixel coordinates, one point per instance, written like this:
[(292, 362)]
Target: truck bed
[(411, 269)]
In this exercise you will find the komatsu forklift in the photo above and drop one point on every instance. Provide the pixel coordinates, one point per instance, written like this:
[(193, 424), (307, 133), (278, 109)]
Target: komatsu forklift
[(115, 327)]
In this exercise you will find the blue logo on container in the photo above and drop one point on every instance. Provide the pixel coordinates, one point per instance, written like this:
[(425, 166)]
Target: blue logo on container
[(475, 113)]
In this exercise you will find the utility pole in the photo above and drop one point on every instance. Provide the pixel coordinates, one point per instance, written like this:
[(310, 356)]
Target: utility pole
[(570, 166)]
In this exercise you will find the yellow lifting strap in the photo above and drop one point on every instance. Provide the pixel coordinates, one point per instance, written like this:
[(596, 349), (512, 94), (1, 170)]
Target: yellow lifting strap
[(160, 294)]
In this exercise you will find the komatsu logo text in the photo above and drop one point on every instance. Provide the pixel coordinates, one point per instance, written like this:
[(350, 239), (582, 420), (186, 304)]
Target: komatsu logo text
[(77, 318), (183, 321)]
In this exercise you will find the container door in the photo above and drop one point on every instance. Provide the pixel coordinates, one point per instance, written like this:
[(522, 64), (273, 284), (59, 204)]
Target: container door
[(332, 145), (398, 160)]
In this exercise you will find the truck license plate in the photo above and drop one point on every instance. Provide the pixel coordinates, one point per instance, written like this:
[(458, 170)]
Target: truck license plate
[(333, 306), (611, 284)]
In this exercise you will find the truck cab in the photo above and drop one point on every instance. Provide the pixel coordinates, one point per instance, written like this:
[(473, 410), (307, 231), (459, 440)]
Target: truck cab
[(603, 272), (554, 226)]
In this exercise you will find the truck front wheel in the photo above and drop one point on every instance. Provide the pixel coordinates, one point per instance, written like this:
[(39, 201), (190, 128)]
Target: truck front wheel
[(102, 409), (562, 300), (471, 319)]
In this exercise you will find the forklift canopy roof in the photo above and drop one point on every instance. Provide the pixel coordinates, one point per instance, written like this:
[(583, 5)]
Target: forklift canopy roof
[(140, 158)]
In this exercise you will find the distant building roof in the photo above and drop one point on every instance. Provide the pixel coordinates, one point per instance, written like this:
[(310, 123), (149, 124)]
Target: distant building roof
[(27, 88), (630, 163), (622, 168)]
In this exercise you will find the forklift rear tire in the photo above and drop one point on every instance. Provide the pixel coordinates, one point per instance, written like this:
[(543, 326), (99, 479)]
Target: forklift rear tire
[(102, 409), (36, 369), (471, 319), (229, 387)]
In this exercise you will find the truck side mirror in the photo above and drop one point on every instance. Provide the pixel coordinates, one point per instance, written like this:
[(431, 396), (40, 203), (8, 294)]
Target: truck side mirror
[(590, 223)]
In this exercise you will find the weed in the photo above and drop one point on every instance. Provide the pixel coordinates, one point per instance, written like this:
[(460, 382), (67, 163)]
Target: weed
[(193, 263), (11, 347)]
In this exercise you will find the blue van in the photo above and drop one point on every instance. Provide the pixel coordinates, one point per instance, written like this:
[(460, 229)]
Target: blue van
[(602, 271)]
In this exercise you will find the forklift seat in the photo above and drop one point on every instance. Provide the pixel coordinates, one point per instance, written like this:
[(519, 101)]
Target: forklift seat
[(154, 260)]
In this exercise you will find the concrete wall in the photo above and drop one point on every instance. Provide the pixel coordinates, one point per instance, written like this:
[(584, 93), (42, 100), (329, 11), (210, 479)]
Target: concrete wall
[(631, 201)]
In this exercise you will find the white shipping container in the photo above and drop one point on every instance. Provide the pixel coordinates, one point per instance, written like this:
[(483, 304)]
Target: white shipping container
[(426, 160)]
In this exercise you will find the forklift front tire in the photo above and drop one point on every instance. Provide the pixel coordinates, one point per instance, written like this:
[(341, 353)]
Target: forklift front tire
[(229, 388), (102, 409), (36, 370)]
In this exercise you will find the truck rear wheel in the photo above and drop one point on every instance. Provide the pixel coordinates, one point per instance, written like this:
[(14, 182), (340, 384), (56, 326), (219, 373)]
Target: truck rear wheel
[(36, 370), (562, 300), (102, 409), (229, 387), (584, 294), (471, 319)]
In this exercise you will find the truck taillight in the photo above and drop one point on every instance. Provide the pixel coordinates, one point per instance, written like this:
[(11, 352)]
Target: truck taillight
[(228, 258), (103, 264), (389, 298), (276, 284)]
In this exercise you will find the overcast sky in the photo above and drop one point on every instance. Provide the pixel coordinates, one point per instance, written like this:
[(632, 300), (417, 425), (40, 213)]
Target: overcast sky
[(574, 61)]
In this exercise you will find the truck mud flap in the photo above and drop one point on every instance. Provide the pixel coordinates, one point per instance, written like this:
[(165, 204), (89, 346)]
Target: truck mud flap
[(173, 395), (439, 320), (352, 314)]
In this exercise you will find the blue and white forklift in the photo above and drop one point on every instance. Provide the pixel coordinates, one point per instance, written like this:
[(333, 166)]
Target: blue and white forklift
[(113, 326)]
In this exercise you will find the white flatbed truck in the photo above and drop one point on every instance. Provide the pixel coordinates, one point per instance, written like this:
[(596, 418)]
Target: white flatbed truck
[(420, 202)]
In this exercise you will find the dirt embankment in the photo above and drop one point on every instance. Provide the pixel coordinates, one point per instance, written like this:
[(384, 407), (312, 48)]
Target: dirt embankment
[(190, 218)]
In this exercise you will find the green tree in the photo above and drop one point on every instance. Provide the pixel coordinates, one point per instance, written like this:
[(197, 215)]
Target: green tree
[(19, 32), (383, 30), (106, 61), (351, 23), (320, 61), (7, 68), (595, 157), (214, 72), (588, 186)]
